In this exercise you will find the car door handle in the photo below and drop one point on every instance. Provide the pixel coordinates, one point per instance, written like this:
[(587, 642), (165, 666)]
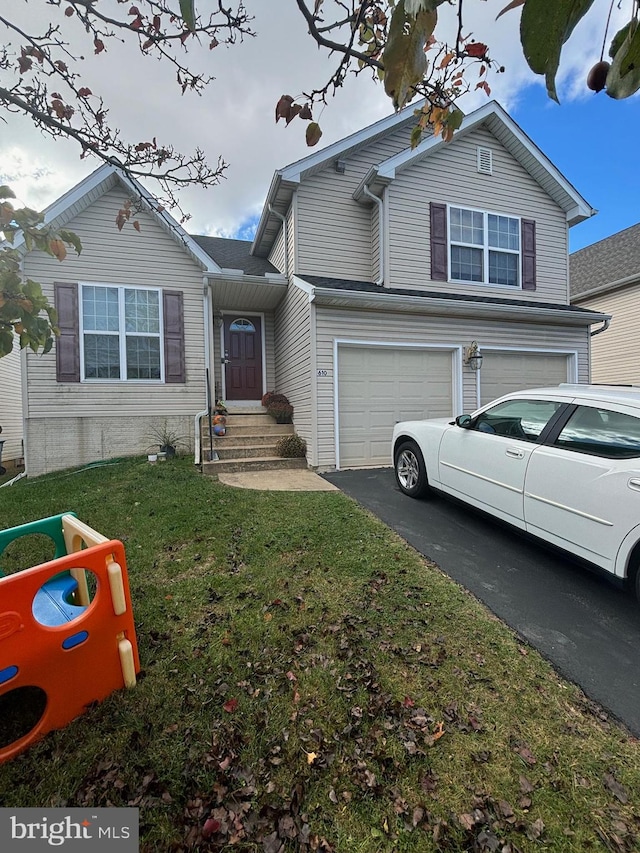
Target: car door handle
[(519, 454), (634, 483)]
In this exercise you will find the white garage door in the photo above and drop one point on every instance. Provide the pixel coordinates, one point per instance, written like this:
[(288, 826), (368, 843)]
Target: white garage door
[(378, 386), (504, 372)]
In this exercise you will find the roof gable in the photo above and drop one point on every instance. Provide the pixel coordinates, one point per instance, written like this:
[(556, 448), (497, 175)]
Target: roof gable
[(286, 180), (491, 115), (514, 140), (104, 179)]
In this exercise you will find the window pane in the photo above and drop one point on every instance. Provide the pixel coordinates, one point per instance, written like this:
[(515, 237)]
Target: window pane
[(466, 226), (504, 232), (601, 433), (466, 264), (143, 357), (242, 325), (141, 310), (524, 419), (503, 268), (100, 309), (101, 357)]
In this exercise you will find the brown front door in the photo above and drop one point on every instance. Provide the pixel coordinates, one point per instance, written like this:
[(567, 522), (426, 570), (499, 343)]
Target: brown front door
[(243, 355)]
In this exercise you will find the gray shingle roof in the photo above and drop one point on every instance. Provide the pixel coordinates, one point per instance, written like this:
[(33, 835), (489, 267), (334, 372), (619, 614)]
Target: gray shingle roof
[(234, 254), (610, 260), (371, 287)]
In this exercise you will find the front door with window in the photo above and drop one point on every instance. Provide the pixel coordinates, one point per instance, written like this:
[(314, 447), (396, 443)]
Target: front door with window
[(243, 357)]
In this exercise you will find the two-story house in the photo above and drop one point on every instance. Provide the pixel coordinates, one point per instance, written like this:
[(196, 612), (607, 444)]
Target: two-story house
[(374, 269)]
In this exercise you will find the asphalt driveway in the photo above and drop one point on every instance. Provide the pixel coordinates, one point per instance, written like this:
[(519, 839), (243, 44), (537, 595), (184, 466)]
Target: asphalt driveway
[(588, 628)]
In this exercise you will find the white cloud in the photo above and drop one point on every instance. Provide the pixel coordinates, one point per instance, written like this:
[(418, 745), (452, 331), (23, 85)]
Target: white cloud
[(235, 116)]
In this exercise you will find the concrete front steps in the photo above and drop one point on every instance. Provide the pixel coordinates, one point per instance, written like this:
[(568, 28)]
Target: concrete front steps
[(248, 445)]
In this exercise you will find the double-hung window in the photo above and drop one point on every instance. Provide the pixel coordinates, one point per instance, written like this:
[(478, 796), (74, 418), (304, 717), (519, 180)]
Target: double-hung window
[(484, 247), (121, 333)]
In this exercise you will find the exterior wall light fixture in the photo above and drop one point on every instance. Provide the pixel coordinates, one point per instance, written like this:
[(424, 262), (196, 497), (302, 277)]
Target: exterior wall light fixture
[(473, 356)]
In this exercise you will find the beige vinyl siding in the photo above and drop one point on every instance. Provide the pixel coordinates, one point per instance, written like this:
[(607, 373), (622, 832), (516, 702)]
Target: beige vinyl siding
[(403, 329), (276, 256), (377, 271), (450, 176), (333, 231), (614, 356), (149, 258), (294, 359), (11, 405)]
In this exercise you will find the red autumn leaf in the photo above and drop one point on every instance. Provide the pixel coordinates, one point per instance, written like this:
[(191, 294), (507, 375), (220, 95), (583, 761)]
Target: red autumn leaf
[(211, 825), (477, 49), (69, 11), (134, 11), (24, 64), (84, 92), (156, 23), (213, 43), (230, 706), (408, 702), (136, 225), (283, 107), (98, 45)]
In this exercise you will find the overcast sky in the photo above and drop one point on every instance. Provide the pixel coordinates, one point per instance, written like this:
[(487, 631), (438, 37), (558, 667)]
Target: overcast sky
[(235, 117)]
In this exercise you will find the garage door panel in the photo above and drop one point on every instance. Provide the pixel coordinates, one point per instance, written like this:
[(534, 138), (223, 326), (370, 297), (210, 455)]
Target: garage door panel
[(505, 372), (378, 386)]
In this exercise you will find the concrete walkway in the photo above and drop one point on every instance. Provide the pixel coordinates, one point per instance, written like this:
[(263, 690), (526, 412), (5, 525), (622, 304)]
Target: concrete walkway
[(279, 481)]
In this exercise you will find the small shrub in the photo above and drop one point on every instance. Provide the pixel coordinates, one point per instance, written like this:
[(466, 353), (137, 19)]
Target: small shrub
[(282, 412), (266, 398), (292, 447)]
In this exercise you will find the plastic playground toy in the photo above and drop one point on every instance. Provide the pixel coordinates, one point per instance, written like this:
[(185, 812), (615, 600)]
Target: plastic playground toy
[(59, 642)]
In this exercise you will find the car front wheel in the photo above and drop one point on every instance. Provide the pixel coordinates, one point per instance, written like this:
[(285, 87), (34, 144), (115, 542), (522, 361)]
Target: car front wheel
[(411, 472)]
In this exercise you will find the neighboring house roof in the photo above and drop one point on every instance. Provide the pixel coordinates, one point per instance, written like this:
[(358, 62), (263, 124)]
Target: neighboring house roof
[(606, 265), (362, 292), (95, 185), (491, 115), (235, 255)]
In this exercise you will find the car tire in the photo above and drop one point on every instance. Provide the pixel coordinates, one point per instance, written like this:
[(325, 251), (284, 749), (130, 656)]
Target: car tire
[(410, 470)]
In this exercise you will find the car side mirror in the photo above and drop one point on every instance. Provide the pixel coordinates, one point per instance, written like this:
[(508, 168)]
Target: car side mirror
[(463, 421)]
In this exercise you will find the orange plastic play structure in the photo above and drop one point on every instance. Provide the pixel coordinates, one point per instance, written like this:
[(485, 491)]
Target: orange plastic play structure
[(58, 640)]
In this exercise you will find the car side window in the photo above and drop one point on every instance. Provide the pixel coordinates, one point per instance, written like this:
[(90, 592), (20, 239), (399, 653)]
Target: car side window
[(523, 419), (601, 432)]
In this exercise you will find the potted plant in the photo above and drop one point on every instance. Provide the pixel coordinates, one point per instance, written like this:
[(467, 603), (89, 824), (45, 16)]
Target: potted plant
[(166, 439), (281, 412)]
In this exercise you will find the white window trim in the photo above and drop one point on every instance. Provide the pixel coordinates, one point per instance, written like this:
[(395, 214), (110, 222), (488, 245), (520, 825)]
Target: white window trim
[(485, 248), (122, 335)]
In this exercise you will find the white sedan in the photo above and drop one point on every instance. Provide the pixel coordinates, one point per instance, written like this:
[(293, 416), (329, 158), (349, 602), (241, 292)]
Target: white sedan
[(562, 464)]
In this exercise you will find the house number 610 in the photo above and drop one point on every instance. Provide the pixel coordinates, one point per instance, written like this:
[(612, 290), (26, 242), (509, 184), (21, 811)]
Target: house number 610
[(322, 373)]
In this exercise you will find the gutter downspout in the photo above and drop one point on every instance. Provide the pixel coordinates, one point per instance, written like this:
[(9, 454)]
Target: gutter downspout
[(603, 328), (207, 360), (285, 237), (380, 204)]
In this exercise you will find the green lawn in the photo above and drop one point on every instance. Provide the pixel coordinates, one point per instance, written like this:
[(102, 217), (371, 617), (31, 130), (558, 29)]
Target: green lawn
[(309, 682)]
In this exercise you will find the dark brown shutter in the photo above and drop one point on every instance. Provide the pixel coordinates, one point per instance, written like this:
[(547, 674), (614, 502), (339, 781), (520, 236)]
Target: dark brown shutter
[(173, 336), (528, 254), (439, 261), (68, 342)]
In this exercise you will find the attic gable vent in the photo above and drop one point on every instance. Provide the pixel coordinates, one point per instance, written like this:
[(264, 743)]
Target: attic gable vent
[(485, 161)]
